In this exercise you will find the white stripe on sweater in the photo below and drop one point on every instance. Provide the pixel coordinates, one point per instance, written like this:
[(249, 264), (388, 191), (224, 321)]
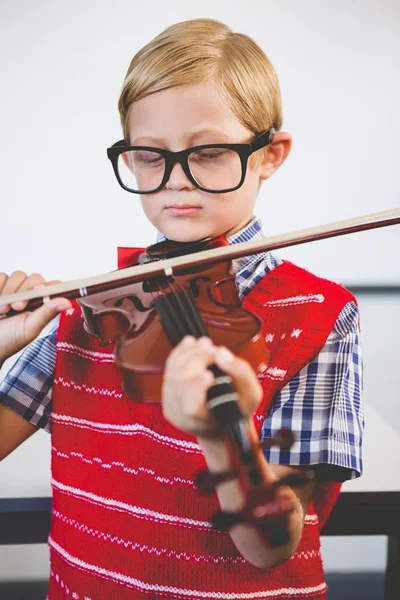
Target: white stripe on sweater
[(311, 519), (89, 389), (109, 465), (294, 300), (101, 357), (133, 429), (65, 588), (136, 511), (114, 539), (145, 587), (143, 513), (274, 373)]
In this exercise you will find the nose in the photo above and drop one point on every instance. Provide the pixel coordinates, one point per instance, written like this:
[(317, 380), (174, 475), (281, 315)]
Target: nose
[(178, 180)]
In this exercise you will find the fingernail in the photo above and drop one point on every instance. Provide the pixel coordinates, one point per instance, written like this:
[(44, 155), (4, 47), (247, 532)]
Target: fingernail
[(18, 305), (188, 340)]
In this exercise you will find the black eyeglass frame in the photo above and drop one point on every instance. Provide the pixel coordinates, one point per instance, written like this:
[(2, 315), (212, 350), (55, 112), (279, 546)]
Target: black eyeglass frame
[(171, 158)]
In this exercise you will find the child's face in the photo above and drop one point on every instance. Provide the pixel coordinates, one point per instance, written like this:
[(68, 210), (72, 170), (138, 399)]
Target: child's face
[(179, 118)]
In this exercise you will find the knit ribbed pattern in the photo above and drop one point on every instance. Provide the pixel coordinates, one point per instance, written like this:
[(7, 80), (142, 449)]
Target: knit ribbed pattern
[(127, 521)]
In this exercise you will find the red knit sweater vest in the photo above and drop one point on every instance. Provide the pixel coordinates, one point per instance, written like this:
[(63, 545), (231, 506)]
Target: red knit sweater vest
[(127, 522)]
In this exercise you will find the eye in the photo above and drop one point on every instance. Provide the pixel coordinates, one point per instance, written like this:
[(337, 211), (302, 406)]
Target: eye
[(210, 153), (145, 157)]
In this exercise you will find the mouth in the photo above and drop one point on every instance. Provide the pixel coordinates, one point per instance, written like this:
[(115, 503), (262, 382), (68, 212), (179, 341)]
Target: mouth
[(183, 210)]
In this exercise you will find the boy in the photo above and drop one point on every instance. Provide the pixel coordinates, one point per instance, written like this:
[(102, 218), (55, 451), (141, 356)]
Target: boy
[(127, 522)]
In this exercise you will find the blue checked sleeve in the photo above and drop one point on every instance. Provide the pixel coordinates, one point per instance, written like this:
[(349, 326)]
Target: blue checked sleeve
[(27, 387), (322, 404)]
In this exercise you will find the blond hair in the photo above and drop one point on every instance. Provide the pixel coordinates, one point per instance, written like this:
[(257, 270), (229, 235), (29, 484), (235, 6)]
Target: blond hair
[(202, 51)]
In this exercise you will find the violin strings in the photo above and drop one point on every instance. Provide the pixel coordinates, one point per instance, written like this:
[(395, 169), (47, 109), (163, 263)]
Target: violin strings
[(173, 322), (190, 312), (166, 306)]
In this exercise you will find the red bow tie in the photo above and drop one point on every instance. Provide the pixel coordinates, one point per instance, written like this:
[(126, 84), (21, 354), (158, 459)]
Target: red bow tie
[(128, 257)]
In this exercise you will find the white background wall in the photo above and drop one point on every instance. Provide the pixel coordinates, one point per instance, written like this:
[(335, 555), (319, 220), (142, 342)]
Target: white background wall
[(62, 66), (63, 214)]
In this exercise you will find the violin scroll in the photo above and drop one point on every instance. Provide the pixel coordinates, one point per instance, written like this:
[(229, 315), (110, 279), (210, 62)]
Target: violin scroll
[(256, 512), (206, 482)]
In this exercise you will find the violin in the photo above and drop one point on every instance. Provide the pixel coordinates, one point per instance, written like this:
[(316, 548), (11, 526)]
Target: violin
[(147, 319), (180, 289)]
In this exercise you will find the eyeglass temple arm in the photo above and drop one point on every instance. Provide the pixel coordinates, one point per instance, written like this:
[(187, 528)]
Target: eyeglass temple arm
[(263, 139), (119, 144)]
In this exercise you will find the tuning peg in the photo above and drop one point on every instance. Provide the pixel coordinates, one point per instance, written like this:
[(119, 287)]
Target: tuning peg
[(206, 482), (297, 479), (275, 529), (277, 533), (224, 521), (283, 438)]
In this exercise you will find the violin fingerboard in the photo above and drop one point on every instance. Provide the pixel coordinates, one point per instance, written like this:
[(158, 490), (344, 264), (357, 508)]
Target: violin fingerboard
[(223, 399), (179, 316)]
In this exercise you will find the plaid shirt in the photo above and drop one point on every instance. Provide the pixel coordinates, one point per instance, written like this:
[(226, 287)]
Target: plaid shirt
[(325, 396)]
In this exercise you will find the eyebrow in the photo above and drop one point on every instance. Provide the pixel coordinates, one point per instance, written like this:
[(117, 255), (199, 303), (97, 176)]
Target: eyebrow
[(203, 132), (196, 134)]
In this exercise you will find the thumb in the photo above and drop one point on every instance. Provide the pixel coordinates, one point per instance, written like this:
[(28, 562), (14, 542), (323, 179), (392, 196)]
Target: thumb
[(37, 320), (244, 379)]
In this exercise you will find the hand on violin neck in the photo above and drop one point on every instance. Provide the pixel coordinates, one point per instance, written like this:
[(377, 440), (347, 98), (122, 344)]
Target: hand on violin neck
[(265, 524), (19, 330), (187, 380)]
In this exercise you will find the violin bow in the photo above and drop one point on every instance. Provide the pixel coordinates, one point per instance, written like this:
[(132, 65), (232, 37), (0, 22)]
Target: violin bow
[(123, 277)]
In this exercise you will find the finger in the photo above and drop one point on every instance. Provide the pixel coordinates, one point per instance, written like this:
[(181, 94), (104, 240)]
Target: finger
[(203, 350), (192, 370), (190, 350), (12, 284), (175, 354), (37, 320), (3, 279), (243, 377), (195, 372), (32, 281), (194, 405)]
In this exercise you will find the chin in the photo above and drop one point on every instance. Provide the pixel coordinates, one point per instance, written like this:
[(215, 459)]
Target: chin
[(185, 233), (185, 238)]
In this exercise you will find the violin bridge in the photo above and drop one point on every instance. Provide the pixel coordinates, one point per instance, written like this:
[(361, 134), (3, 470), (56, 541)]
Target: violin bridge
[(168, 271)]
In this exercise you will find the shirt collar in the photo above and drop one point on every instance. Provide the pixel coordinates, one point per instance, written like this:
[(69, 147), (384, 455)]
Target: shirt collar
[(251, 231)]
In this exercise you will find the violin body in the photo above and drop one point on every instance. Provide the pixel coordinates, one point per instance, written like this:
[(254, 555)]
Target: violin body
[(128, 317)]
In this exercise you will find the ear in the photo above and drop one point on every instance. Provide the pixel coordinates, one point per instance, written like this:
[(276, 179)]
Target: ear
[(275, 154)]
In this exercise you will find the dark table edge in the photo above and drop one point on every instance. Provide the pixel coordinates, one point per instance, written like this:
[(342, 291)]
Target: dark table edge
[(372, 289), (27, 520)]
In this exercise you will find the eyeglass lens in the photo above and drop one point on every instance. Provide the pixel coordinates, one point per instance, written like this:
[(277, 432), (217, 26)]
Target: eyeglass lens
[(215, 169)]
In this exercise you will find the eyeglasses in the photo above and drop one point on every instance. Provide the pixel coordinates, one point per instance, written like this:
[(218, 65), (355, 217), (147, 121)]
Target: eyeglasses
[(213, 168)]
